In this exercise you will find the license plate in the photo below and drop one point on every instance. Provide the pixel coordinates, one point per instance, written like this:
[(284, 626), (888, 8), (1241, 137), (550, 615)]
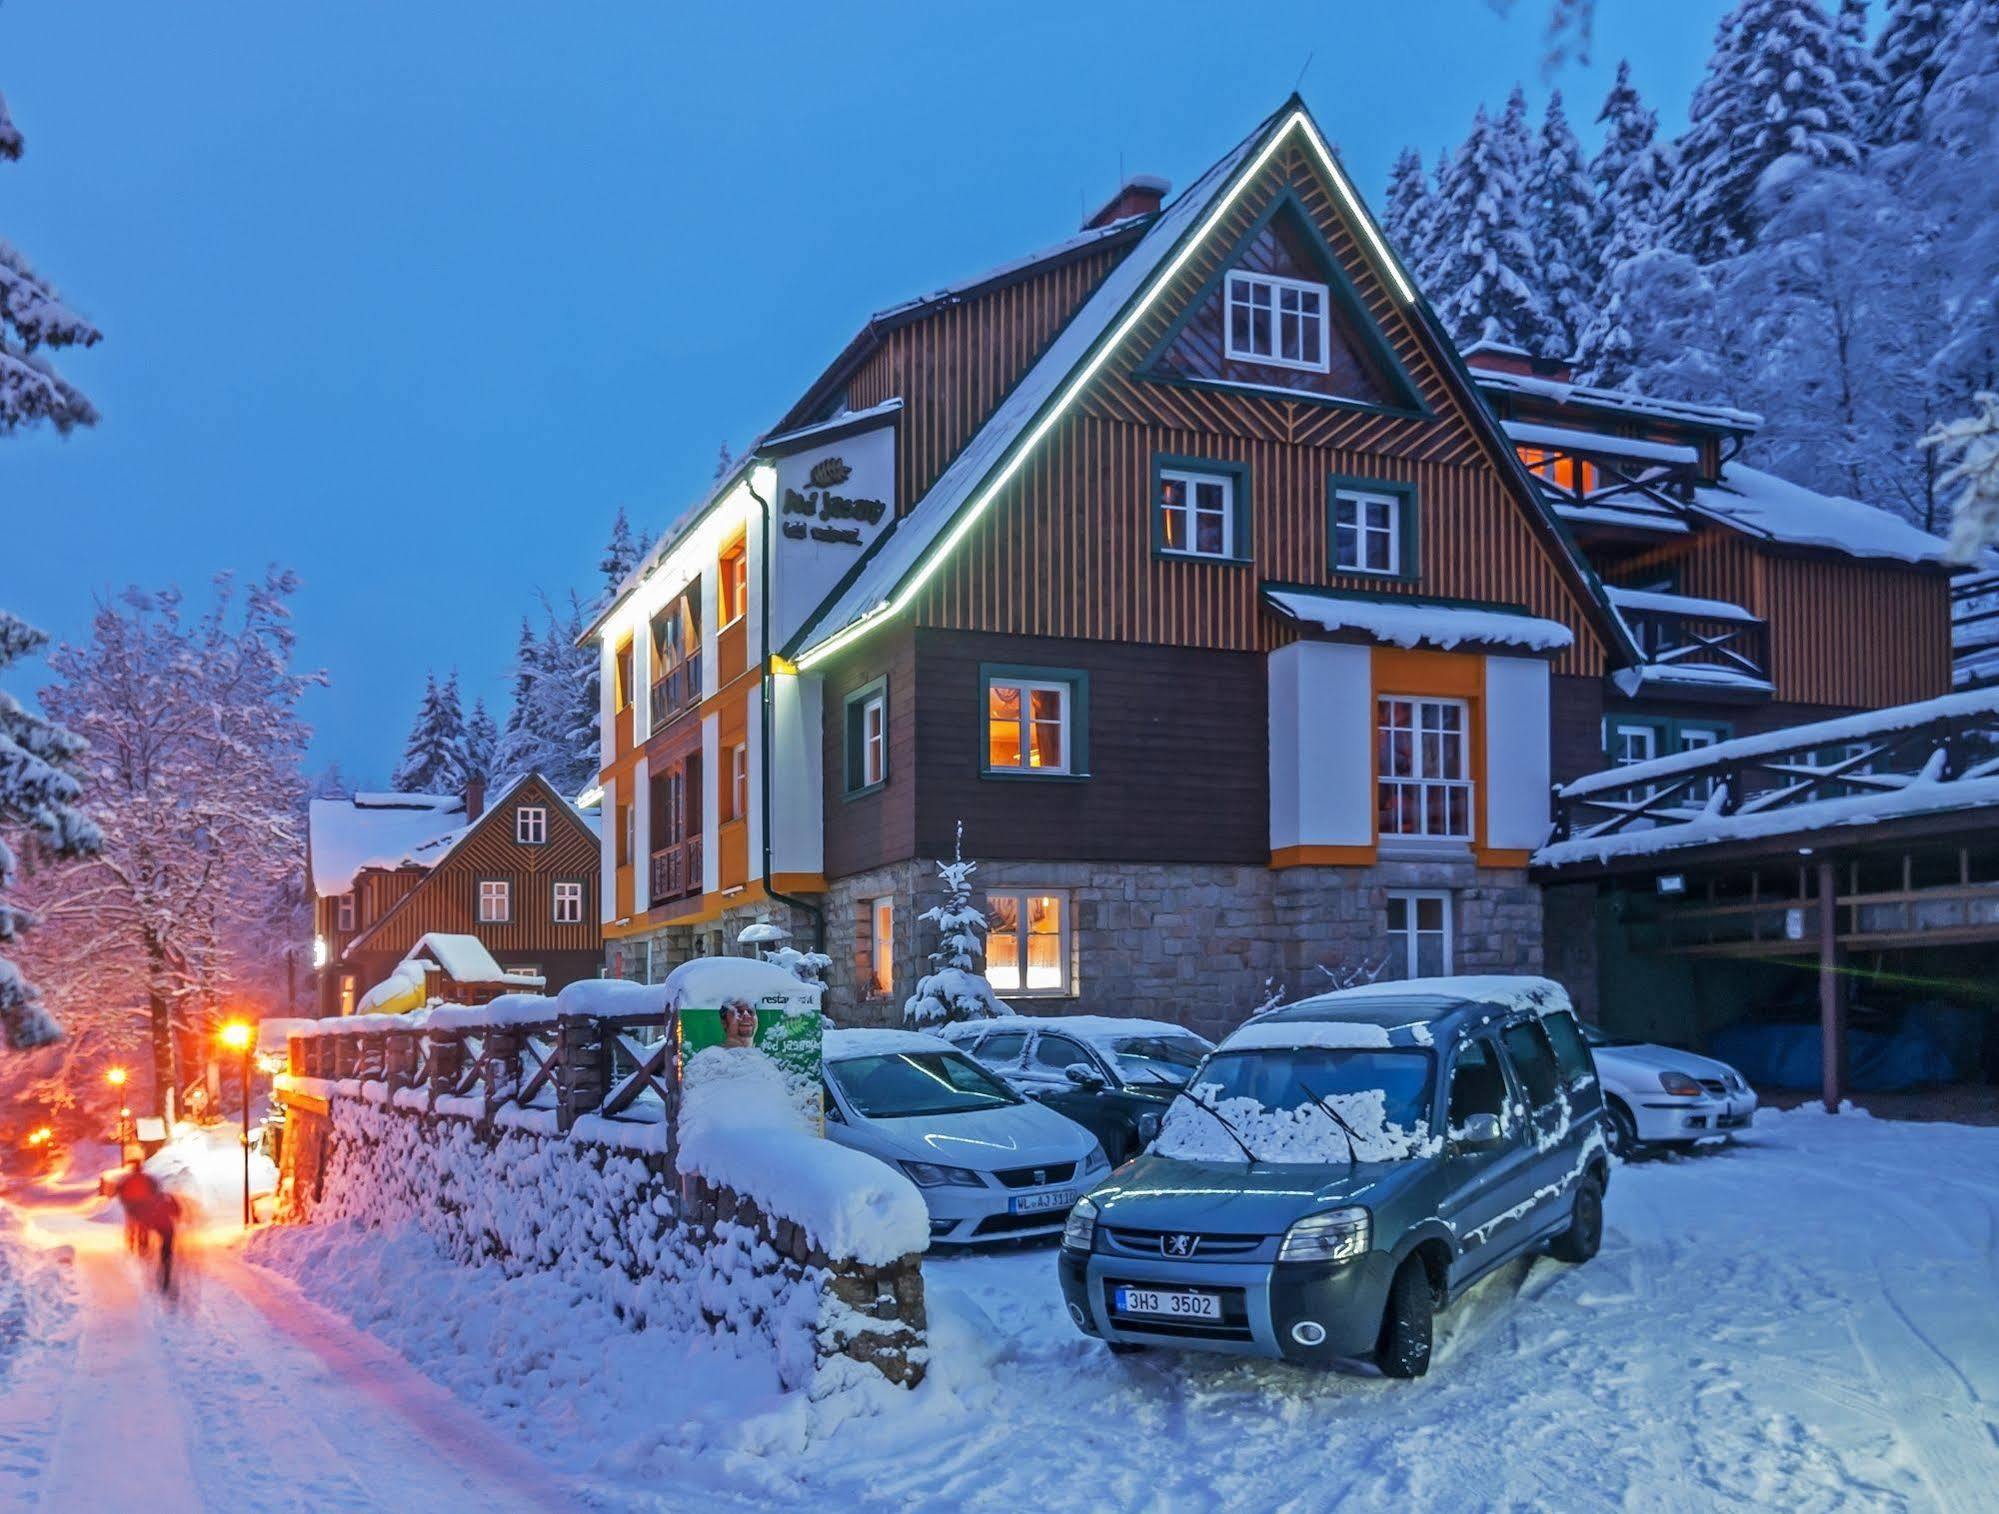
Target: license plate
[(1173, 1304), (1046, 1199)]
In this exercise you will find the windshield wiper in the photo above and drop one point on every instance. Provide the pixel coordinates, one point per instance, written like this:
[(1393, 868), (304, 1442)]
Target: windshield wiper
[(1220, 1119), (1353, 1160)]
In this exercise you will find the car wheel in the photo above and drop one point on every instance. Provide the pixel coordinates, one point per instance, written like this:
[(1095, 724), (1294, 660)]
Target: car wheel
[(1585, 1233), (1622, 1136), (1404, 1347)]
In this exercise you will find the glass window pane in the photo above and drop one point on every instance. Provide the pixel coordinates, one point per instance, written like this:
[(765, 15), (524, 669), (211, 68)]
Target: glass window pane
[(1347, 549), (1047, 744), (1211, 494), (1173, 529), (1430, 914), (1377, 553), (1398, 914), (1377, 514), (1208, 535)]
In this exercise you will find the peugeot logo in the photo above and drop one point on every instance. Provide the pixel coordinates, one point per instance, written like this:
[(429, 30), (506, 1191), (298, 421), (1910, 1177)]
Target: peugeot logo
[(1176, 1245)]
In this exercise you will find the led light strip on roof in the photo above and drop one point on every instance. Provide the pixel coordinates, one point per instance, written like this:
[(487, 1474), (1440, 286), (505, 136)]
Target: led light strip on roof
[(1161, 279)]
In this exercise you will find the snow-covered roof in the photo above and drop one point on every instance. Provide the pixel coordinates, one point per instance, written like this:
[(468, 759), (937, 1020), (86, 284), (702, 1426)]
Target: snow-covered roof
[(467, 960), (845, 418), (1762, 504), (1409, 622), (375, 830), (1509, 990), (1719, 417), (1678, 604), (962, 287), (839, 1045), (1569, 440)]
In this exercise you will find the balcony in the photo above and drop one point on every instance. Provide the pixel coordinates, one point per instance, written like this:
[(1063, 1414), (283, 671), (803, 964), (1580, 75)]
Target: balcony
[(676, 872), (1693, 645), (677, 690)]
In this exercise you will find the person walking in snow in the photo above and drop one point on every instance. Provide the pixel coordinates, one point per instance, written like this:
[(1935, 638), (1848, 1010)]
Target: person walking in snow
[(154, 1211)]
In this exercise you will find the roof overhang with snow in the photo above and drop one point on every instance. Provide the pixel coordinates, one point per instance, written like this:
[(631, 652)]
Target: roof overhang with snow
[(1407, 620)]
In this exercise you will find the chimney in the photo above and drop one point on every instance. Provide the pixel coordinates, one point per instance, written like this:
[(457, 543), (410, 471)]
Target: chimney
[(1498, 357), (1140, 195), (475, 799)]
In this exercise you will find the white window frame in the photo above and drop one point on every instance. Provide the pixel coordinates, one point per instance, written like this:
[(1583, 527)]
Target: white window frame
[(531, 825), (1190, 511), (881, 947), (739, 780), (1409, 941), (874, 740), (1621, 729), (1360, 499), (1278, 288), (565, 902), (343, 912), (1420, 778), (1064, 936), (1027, 688), (492, 890)]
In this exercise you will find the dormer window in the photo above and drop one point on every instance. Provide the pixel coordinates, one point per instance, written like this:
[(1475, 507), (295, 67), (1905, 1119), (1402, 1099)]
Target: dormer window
[(531, 825), (343, 913), (1277, 320)]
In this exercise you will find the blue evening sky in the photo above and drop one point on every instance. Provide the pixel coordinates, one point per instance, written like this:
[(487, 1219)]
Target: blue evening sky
[(412, 296)]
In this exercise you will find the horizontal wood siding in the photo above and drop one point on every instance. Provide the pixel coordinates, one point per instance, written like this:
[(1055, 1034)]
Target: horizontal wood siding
[(1067, 549), (880, 827), (1176, 750), (953, 367)]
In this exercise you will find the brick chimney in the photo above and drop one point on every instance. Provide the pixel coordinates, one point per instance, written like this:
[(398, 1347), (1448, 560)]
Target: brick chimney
[(475, 799), (1140, 195), (1498, 357)]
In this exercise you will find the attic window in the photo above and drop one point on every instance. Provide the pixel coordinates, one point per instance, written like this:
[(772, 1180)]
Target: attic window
[(531, 825), (1277, 320)]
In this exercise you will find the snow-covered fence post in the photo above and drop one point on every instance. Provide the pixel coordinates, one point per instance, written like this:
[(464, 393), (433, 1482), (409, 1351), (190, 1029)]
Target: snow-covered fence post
[(446, 1056), (500, 1067), (346, 1054), (398, 1059), (372, 1061), (582, 1070)]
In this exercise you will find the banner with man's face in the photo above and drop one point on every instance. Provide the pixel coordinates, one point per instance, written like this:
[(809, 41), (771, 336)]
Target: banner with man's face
[(776, 1016)]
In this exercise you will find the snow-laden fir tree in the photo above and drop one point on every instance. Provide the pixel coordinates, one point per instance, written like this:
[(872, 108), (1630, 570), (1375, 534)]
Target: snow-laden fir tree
[(1408, 212), (622, 553), (1631, 174), (39, 789), (1908, 56), (1970, 446), (434, 757), (34, 322), (482, 741), (954, 988), (1481, 278), (1769, 103), (1859, 72), (1563, 206)]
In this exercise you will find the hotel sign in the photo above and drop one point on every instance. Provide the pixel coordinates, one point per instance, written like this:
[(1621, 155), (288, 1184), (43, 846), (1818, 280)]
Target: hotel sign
[(833, 501)]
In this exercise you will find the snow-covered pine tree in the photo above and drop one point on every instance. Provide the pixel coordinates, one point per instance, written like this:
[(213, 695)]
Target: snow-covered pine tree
[(1563, 207), (1408, 212), (1672, 343), (1859, 73), (1908, 56), (515, 755), (34, 321), (434, 757), (482, 742), (954, 988), (1971, 447), (1631, 174), (39, 789), (1482, 276), (1770, 103), (621, 554)]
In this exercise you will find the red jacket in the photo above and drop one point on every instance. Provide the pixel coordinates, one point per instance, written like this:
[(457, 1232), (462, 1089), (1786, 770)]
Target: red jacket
[(146, 1203)]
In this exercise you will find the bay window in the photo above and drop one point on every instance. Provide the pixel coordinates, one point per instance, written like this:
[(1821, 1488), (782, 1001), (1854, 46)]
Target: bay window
[(1027, 941), (1424, 763)]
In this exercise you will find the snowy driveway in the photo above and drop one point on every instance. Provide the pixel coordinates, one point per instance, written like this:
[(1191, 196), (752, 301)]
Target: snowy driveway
[(1804, 1322)]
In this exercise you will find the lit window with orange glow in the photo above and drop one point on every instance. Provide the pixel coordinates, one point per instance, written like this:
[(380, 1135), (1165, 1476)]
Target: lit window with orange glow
[(1561, 470), (1027, 941), (734, 567), (1027, 725)]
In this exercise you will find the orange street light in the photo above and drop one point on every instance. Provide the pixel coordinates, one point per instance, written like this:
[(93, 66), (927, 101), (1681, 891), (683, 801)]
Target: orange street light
[(236, 1035), (115, 1077), (41, 1136)]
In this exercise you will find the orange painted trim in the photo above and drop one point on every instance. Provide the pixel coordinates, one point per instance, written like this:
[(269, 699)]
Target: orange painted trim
[(1438, 675), (1322, 856)]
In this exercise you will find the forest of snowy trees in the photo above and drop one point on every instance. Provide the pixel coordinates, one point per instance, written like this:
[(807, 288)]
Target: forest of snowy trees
[(1820, 243)]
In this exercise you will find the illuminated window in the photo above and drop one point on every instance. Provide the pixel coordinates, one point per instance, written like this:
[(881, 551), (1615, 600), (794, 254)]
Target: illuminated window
[(1027, 941), (1558, 468), (496, 901), (531, 825), (1034, 723), (1368, 531), (567, 905), (1419, 935), (881, 948), (347, 993), (1424, 765), (735, 579), (867, 737), (739, 780), (1276, 320), (1197, 514), (343, 912), (622, 673)]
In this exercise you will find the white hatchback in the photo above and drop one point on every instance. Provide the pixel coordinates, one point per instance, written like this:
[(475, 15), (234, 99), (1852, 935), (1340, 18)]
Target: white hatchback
[(990, 1164), (1662, 1096)]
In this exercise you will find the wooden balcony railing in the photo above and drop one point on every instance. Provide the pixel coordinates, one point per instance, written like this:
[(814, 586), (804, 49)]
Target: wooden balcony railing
[(676, 871), (677, 690)]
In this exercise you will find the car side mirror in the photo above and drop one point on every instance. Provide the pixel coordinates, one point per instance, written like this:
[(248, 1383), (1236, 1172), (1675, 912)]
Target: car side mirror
[(1478, 1132), (1083, 1075), (832, 1110)]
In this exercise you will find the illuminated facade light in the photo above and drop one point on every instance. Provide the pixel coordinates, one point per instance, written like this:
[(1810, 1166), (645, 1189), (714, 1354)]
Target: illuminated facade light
[(319, 951)]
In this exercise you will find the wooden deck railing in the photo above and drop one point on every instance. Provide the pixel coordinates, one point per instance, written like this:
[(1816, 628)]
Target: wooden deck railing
[(1674, 641), (676, 690), (676, 870)]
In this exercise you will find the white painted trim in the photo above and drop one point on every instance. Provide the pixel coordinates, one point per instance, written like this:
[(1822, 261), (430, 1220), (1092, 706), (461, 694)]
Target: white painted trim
[(1277, 282), (641, 836), (1321, 745), (607, 854), (1518, 770)]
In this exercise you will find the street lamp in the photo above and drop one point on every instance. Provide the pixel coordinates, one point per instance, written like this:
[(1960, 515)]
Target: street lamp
[(238, 1036), (116, 1077)]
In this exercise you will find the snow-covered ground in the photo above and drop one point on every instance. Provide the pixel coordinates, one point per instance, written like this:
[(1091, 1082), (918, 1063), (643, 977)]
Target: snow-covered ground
[(1804, 1321)]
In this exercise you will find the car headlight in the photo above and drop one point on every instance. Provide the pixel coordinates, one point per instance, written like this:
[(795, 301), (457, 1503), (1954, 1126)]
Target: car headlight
[(936, 1175), (1081, 1231), (1339, 1235), (1097, 1161), (1680, 1085)]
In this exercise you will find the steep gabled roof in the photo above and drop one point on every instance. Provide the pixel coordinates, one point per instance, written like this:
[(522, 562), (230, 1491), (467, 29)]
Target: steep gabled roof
[(904, 556), (374, 830)]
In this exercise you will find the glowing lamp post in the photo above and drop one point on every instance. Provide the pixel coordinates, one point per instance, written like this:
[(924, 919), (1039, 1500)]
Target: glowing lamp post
[(238, 1036), (116, 1077)]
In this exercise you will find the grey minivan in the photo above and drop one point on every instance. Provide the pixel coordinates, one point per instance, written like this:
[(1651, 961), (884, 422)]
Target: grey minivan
[(1340, 1168)]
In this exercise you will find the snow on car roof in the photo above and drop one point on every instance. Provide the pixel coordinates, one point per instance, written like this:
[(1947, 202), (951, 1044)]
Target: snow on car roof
[(841, 1045), (1096, 1030), (1429, 998)]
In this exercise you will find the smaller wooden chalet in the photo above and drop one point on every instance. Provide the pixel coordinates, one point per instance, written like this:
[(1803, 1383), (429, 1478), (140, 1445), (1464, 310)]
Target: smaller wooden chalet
[(405, 878)]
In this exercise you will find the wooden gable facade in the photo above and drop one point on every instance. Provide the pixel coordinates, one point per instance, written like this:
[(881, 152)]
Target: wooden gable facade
[(446, 898)]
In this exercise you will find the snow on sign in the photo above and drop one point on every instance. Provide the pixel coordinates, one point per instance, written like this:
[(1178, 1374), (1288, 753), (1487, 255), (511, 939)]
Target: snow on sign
[(834, 497)]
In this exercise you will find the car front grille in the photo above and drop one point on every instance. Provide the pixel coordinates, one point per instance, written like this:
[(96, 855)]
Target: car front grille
[(1048, 1176), (1014, 1224), (1232, 1326), (1201, 1246)]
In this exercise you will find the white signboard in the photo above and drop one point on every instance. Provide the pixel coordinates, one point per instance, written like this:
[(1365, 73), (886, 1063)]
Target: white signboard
[(833, 500)]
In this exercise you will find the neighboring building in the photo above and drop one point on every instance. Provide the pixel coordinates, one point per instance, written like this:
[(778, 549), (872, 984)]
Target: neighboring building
[(390, 872), (446, 969), (1186, 565)]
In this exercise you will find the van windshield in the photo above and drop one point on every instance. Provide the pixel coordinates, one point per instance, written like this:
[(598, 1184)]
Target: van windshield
[(1268, 1096)]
